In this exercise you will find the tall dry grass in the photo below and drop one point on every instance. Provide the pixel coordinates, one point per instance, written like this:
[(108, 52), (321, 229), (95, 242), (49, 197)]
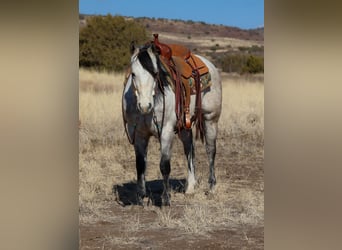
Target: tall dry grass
[(242, 119), (107, 159), (100, 110)]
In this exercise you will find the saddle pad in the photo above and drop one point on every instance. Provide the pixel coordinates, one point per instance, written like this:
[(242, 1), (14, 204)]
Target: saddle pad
[(185, 69), (205, 81)]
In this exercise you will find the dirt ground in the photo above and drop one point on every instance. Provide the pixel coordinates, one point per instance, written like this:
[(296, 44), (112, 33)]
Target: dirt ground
[(234, 173)]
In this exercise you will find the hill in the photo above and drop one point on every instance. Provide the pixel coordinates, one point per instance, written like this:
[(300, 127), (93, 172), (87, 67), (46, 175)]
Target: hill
[(213, 41), (190, 28)]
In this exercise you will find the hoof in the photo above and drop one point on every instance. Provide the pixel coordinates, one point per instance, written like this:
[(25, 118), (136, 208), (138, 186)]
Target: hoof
[(212, 184), (210, 195), (166, 203), (212, 188), (166, 200), (140, 200), (190, 185), (190, 190)]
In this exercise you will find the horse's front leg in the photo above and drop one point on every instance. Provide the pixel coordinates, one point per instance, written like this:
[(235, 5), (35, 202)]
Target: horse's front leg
[(165, 166), (186, 137), (140, 147)]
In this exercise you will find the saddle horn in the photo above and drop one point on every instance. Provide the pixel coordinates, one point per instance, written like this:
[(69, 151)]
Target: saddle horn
[(164, 49)]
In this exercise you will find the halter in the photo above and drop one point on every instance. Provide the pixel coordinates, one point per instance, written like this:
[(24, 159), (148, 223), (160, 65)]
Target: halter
[(156, 77)]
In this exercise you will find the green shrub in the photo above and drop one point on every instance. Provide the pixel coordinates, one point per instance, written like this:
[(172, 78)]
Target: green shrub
[(241, 63), (254, 65), (213, 48), (104, 42), (243, 48), (254, 49), (232, 62)]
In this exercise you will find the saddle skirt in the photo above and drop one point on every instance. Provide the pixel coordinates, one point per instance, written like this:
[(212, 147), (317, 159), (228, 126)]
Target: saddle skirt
[(186, 71)]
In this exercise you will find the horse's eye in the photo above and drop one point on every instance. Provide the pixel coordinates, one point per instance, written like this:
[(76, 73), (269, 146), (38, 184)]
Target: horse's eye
[(133, 75)]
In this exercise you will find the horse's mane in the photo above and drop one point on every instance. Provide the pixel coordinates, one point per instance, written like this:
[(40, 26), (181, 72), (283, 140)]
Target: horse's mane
[(146, 61)]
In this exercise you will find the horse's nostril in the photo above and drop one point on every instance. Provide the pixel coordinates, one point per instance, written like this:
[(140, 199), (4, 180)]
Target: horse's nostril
[(149, 105)]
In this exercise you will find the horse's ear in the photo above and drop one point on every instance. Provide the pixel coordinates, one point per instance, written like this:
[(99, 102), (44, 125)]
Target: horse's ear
[(132, 47)]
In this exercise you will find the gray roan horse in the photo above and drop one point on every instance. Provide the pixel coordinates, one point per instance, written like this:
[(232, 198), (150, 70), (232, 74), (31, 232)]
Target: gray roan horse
[(148, 106)]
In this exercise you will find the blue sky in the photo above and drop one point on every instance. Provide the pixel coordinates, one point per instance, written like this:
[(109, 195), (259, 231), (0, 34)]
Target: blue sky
[(245, 14)]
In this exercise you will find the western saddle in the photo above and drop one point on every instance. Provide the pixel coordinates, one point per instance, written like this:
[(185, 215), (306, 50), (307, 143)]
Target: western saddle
[(186, 71)]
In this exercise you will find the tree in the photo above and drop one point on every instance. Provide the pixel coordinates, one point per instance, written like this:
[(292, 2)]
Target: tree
[(254, 65), (104, 44)]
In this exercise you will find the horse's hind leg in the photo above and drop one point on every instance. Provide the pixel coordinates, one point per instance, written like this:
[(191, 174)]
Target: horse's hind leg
[(186, 137), (210, 140), (140, 147)]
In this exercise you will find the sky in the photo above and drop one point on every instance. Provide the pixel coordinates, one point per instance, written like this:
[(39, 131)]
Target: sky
[(245, 14)]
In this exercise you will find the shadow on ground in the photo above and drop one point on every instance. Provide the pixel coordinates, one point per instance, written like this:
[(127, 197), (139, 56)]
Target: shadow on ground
[(125, 193)]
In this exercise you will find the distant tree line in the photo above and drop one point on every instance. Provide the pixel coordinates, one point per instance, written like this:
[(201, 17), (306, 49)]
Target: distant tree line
[(104, 43), (241, 63), (245, 60)]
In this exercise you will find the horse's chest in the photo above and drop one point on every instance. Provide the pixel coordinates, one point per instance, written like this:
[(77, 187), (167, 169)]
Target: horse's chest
[(145, 124)]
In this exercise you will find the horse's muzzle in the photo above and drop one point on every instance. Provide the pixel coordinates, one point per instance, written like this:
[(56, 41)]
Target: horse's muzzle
[(145, 109)]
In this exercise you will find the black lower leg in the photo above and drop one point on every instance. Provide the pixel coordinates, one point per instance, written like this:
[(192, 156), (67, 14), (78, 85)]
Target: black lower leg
[(141, 167), (165, 169), (189, 148), (211, 151)]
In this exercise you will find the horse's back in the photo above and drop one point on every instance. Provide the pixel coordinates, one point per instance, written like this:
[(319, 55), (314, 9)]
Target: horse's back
[(212, 99)]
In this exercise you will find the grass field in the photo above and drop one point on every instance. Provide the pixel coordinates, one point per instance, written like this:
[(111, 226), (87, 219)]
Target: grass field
[(233, 216)]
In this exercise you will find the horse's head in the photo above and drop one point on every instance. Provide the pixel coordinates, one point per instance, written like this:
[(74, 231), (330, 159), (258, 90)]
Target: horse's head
[(144, 66)]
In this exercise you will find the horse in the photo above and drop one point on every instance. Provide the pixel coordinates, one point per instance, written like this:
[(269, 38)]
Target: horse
[(148, 109)]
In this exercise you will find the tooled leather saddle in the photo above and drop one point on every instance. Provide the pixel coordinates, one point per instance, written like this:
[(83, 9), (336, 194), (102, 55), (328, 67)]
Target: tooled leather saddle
[(190, 76)]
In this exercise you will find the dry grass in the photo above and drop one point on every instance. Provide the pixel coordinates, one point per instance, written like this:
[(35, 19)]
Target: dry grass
[(128, 236), (107, 159), (94, 81), (242, 119), (201, 214), (100, 111)]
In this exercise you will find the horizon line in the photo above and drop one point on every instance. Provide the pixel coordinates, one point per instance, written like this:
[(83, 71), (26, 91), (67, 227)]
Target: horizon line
[(174, 19)]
